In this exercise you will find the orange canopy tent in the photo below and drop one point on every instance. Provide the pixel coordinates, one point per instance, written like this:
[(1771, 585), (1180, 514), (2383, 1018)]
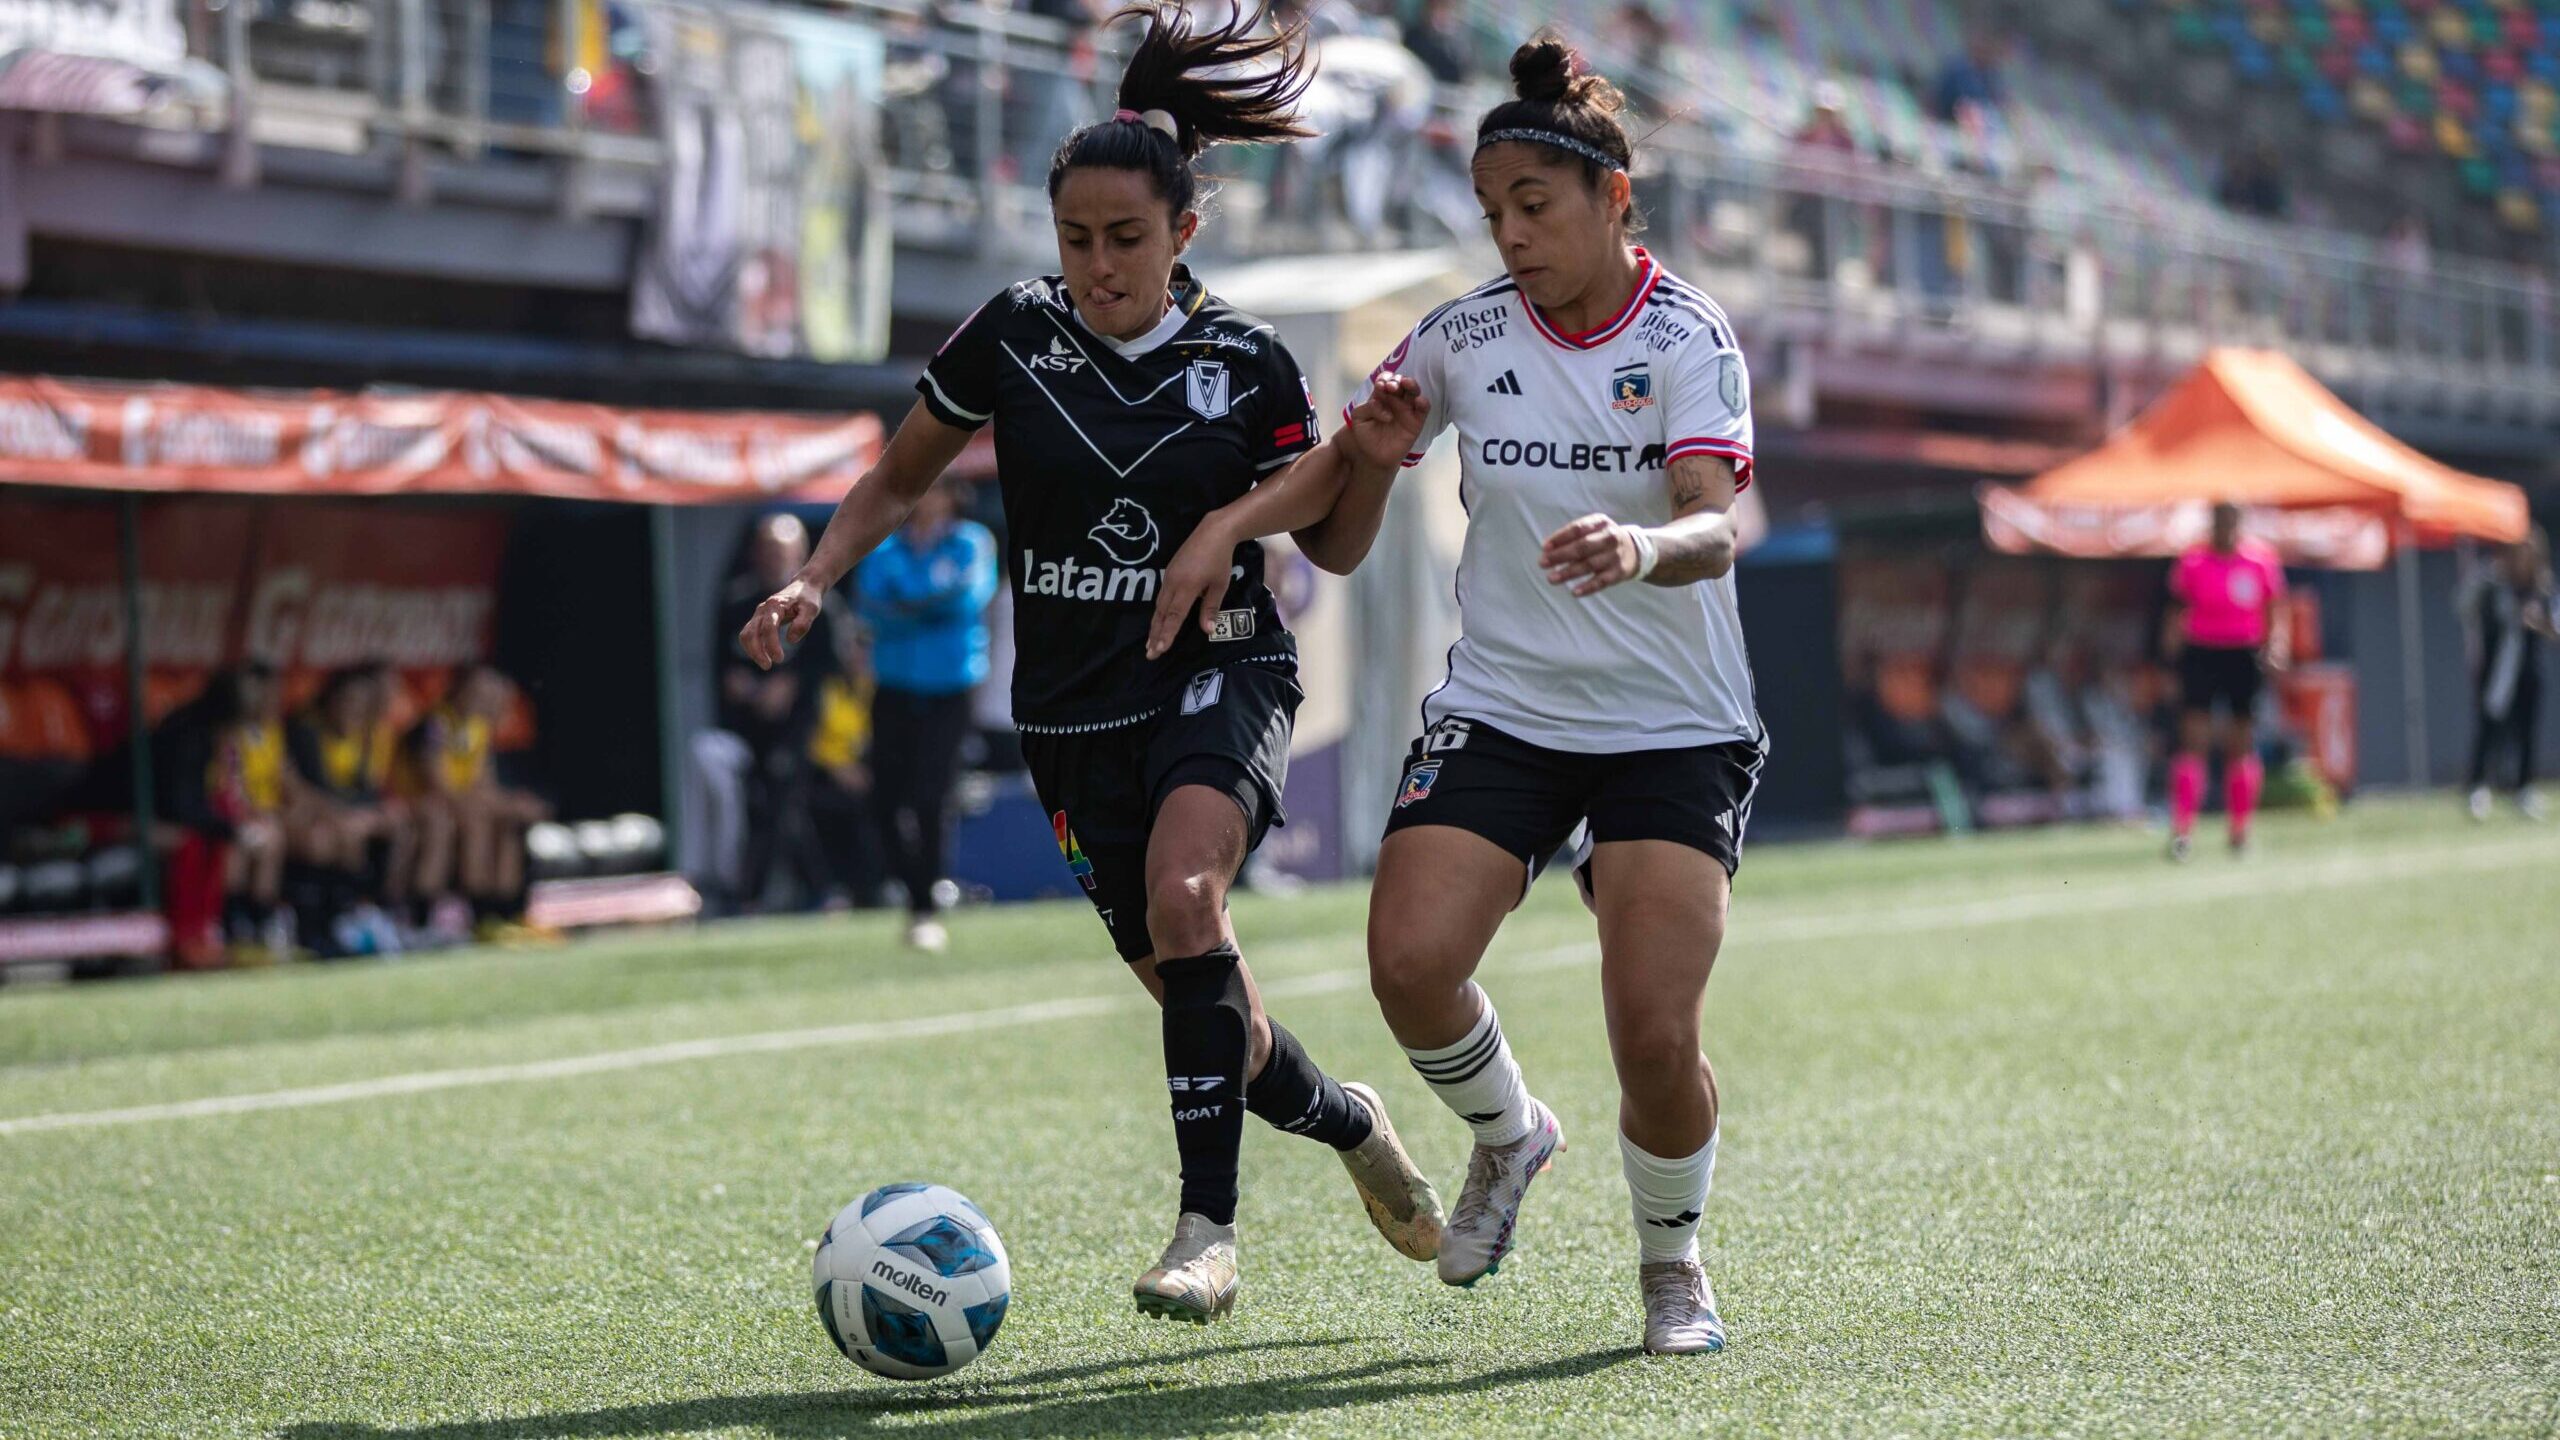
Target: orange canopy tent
[(2325, 485)]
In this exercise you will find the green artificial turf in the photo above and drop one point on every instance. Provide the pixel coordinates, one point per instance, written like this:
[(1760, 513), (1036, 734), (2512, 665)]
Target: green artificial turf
[(2024, 1135)]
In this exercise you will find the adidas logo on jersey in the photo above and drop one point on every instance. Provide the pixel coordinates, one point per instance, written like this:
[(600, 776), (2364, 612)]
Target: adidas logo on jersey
[(1509, 384), (1058, 358)]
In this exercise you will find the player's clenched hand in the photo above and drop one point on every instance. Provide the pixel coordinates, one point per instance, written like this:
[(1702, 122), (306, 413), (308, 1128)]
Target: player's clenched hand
[(1385, 427), (1591, 554), (780, 622), (1196, 580)]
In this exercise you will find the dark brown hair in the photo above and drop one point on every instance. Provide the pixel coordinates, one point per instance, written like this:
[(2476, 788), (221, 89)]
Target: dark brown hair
[(1218, 85), (1557, 92)]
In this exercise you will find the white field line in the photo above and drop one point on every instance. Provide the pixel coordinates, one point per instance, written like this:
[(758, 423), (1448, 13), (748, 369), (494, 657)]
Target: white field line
[(2170, 891)]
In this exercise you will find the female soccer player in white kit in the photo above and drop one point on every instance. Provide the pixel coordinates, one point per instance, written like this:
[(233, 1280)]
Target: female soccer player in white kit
[(1598, 690)]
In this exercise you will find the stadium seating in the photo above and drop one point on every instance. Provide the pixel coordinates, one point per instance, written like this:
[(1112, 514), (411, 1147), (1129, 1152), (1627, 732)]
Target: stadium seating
[(2475, 83), (1759, 65)]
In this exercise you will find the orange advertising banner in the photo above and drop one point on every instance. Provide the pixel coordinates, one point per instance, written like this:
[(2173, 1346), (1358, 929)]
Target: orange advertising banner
[(307, 588), (188, 439)]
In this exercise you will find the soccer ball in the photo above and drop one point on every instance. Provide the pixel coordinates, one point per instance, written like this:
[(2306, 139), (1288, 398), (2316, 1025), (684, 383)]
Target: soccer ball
[(912, 1281)]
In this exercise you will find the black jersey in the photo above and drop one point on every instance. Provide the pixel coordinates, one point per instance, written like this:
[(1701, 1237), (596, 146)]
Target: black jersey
[(1108, 456)]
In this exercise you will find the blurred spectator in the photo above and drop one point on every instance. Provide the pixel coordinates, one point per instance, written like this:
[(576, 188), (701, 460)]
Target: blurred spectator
[(1889, 713), (1047, 98), (349, 829), (2508, 611), (2121, 742), (748, 776), (1826, 125), (2410, 258), (925, 593), (913, 73), (608, 73), (1641, 49), (1980, 738), (848, 869), (966, 84), (2060, 738), (1324, 19), (1970, 80), (221, 762), (452, 764), (2406, 249), (1437, 36), (1830, 228), (2252, 182)]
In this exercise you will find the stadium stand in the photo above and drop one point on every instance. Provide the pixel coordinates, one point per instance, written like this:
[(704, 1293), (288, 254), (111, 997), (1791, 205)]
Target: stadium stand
[(2473, 84)]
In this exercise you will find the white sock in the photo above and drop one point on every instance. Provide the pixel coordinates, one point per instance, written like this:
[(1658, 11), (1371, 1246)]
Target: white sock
[(1478, 1079), (1668, 1196)]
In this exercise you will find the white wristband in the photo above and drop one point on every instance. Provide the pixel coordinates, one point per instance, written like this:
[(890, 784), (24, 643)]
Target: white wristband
[(1647, 554)]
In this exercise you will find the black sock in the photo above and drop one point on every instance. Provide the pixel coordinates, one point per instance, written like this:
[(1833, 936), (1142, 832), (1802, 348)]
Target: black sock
[(1293, 1095), (1205, 1019)]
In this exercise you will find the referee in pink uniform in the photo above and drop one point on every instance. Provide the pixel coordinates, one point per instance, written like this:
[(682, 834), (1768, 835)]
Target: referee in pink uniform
[(2223, 634)]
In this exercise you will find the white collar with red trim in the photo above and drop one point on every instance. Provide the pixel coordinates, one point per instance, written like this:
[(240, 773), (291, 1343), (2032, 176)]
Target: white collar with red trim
[(1647, 275)]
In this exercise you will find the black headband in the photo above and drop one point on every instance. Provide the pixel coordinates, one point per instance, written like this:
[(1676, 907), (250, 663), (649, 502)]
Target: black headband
[(1558, 139)]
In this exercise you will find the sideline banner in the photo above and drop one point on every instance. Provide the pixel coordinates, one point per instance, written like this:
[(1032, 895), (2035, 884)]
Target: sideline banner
[(308, 588), (94, 435)]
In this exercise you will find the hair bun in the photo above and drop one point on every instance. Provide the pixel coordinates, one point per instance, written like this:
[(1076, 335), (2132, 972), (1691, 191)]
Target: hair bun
[(1542, 70)]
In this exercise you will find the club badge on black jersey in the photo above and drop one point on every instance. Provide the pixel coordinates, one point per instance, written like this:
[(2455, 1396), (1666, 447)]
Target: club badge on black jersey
[(1108, 456)]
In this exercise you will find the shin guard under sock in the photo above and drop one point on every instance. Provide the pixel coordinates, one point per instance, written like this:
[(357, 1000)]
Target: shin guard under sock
[(1206, 1016)]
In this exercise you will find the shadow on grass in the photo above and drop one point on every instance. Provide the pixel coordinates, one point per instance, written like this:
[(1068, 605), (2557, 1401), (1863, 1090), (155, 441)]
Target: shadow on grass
[(1142, 1396)]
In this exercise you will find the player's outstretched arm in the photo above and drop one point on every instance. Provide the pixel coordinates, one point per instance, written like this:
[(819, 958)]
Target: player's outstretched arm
[(1307, 500), (1378, 442), (878, 503), (1595, 552), (1197, 578)]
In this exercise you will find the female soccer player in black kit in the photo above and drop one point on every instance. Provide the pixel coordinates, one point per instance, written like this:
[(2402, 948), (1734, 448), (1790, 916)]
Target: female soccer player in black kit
[(1128, 402)]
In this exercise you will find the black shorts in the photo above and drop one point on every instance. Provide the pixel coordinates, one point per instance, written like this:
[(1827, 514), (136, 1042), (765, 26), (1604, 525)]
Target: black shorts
[(1530, 800), (2213, 674), (1228, 729)]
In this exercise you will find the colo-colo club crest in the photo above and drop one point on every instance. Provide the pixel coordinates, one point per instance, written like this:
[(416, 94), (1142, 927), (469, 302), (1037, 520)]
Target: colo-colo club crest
[(1631, 387)]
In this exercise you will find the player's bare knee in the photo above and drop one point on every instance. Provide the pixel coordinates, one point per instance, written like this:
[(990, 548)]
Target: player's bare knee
[(1658, 1054), (1410, 979), (1186, 911)]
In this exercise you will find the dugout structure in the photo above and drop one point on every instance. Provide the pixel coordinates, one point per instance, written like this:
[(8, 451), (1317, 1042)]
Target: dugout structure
[(151, 534)]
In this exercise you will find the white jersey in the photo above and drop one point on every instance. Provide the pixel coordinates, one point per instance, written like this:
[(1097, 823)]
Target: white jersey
[(1554, 427)]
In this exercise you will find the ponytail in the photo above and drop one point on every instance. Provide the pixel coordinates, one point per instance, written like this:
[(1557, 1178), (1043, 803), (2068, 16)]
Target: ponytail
[(1184, 91)]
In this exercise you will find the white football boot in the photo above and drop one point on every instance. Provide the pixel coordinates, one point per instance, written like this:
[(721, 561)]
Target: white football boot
[(1679, 1309), (1196, 1278), (1395, 1192), (1478, 1234)]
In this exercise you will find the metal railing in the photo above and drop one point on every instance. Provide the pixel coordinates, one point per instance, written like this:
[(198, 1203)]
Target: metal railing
[(972, 100), (1835, 241)]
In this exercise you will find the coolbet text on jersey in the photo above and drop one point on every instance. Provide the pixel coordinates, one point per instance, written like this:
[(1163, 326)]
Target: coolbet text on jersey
[(1554, 427)]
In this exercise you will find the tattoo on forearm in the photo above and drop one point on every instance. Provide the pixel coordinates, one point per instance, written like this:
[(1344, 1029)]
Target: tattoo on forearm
[(1692, 548)]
